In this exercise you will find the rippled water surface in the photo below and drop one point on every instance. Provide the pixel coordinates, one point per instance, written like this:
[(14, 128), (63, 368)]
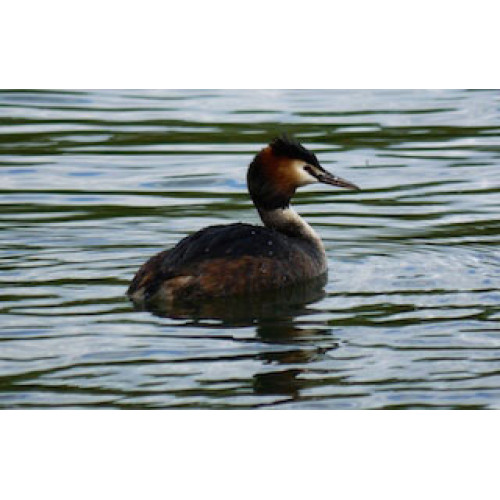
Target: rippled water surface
[(94, 182)]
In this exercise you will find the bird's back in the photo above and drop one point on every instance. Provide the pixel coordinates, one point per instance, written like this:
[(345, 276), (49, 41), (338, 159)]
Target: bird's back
[(226, 260)]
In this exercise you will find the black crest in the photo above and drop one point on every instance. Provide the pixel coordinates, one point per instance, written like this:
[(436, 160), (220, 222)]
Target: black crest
[(291, 148)]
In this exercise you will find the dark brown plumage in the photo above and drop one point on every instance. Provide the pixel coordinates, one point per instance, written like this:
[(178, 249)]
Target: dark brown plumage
[(227, 260)]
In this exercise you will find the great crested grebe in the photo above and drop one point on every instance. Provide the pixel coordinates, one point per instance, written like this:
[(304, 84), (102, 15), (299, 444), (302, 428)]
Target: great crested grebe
[(239, 259)]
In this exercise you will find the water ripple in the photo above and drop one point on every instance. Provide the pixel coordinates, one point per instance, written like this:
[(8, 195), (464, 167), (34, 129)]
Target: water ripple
[(93, 182)]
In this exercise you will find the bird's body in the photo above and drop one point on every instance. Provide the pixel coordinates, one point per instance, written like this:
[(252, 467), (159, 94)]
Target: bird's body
[(242, 259)]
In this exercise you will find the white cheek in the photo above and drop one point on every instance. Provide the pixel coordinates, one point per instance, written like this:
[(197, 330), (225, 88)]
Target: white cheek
[(303, 177)]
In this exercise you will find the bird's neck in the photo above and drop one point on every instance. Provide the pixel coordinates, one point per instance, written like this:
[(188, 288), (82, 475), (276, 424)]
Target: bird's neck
[(288, 221)]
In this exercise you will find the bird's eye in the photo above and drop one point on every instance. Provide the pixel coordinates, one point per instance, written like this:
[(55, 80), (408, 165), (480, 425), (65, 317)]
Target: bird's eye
[(309, 169)]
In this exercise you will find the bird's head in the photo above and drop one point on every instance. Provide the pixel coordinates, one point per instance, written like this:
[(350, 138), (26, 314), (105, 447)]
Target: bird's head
[(280, 168)]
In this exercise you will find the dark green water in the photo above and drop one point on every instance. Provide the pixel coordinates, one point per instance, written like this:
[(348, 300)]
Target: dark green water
[(94, 182)]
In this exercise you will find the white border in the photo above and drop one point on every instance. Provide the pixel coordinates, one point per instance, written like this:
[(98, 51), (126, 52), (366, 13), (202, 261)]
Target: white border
[(248, 454), (222, 44)]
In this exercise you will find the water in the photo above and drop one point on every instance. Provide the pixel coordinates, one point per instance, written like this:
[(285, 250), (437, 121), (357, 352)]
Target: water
[(94, 182)]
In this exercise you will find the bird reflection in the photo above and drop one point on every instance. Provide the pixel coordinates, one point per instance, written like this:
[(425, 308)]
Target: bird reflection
[(305, 350), (274, 317)]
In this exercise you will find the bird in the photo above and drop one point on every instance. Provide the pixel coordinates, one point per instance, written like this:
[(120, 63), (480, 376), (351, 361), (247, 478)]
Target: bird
[(240, 259)]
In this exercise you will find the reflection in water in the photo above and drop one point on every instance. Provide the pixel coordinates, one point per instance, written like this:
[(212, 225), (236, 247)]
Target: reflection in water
[(273, 315), (278, 382), (287, 332)]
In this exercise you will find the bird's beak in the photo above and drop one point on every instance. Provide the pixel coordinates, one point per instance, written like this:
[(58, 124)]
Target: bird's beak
[(328, 178)]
